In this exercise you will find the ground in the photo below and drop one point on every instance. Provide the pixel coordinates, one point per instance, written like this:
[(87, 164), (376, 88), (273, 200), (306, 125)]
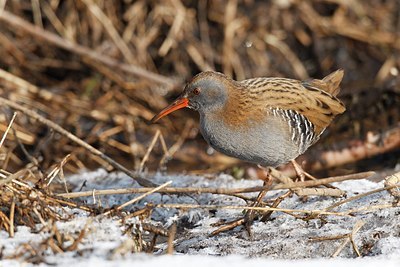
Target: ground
[(283, 240)]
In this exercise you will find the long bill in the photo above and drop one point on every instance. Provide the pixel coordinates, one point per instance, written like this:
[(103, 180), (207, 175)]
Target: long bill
[(177, 104)]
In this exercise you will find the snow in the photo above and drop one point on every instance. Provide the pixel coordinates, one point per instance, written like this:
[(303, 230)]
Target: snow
[(281, 241)]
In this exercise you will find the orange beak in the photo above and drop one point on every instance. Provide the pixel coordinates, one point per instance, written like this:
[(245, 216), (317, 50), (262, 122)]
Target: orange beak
[(177, 104)]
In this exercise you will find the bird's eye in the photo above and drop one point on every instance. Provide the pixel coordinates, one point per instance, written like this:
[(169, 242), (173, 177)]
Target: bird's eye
[(196, 91)]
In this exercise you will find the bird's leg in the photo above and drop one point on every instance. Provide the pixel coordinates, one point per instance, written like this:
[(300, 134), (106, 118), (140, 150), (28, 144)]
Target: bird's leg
[(300, 172), (251, 214), (267, 215)]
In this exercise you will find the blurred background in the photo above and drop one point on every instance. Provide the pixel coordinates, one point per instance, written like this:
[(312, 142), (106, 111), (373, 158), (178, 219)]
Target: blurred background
[(102, 69)]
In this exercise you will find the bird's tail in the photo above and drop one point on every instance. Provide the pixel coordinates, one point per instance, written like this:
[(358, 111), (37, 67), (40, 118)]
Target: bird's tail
[(332, 82)]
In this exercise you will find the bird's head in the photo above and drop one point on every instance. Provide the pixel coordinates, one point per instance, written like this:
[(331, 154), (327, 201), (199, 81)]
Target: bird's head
[(208, 91)]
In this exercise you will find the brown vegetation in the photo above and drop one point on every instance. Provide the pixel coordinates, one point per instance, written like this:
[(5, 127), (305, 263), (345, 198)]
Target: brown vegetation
[(86, 77)]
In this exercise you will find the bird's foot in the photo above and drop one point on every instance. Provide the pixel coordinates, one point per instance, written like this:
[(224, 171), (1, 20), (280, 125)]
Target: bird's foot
[(301, 174)]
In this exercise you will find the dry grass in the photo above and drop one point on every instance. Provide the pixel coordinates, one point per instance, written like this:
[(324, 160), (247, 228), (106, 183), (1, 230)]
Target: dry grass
[(88, 75)]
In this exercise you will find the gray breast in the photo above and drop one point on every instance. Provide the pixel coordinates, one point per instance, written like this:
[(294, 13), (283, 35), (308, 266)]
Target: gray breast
[(269, 143)]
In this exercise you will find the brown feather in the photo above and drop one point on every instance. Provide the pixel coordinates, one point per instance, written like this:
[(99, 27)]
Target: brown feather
[(329, 84), (252, 99)]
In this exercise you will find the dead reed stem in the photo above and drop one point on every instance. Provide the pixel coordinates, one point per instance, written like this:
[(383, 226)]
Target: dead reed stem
[(12, 212), (136, 199), (20, 24)]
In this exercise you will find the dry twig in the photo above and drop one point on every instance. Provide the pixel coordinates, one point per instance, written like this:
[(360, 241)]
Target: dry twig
[(136, 199), (393, 181), (202, 190)]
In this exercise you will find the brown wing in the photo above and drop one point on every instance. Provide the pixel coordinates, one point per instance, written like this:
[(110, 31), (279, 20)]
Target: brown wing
[(307, 98)]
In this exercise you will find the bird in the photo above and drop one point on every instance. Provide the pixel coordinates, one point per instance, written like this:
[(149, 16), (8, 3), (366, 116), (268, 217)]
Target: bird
[(268, 121)]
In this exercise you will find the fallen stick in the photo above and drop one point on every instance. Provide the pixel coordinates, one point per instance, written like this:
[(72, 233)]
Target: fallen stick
[(374, 144), (136, 199), (393, 181), (335, 192), (226, 191), (353, 151), (265, 209)]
